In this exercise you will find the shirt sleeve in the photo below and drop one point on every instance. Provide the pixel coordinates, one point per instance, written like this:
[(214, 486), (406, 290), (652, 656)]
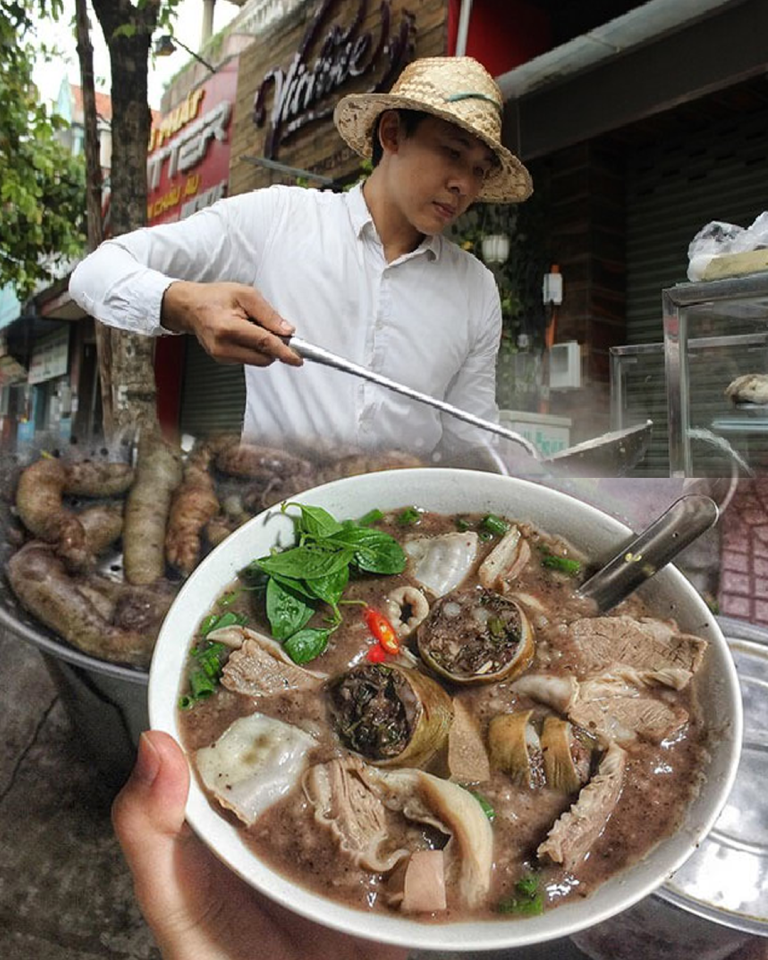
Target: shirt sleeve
[(474, 387), (122, 283)]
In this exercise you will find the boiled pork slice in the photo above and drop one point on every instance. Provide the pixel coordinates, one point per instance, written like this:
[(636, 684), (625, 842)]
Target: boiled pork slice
[(261, 668), (575, 832), (611, 709), (645, 644), (608, 706)]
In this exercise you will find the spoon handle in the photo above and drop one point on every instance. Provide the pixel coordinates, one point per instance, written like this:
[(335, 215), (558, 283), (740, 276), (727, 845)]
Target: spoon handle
[(643, 557)]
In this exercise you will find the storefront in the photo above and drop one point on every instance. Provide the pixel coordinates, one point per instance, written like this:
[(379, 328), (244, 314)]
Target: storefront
[(634, 155), (188, 169)]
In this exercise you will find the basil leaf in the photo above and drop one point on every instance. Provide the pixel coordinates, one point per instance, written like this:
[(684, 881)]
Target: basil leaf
[(294, 585), (315, 522), (375, 551), (330, 588), (287, 611), (218, 620), (306, 562), (306, 644)]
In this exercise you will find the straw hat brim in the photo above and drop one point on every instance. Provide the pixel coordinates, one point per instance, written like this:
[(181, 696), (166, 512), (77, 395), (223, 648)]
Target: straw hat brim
[(356, 114)]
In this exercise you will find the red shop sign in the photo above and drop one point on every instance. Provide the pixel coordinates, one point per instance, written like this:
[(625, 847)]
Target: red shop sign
[(188, 155)]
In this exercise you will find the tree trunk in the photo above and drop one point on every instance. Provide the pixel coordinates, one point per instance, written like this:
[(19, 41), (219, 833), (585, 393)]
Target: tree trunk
[(133, 388), (93, 193)]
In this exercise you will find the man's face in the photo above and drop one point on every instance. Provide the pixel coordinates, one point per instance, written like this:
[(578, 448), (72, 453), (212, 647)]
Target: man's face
[(438, 171)]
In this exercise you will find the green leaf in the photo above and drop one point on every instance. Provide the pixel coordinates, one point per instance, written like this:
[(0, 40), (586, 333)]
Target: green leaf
[(314, 521), (306, 644), (287, 611), (374, 550), (124, 30), (306, 562), (330, 588)]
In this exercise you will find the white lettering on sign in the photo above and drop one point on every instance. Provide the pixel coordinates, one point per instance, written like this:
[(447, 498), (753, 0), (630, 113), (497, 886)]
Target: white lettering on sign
[(204, 199), (188, 149)]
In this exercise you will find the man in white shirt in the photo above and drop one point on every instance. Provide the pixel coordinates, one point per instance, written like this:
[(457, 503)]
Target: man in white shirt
[(366, 274)]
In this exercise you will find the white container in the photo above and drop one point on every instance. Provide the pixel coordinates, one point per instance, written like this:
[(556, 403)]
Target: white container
[(549, 434)]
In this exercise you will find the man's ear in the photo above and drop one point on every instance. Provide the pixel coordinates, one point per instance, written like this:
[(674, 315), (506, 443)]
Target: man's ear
[(390, 133)]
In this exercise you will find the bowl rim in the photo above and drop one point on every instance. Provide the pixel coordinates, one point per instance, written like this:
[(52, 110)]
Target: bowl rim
[(455, 935)]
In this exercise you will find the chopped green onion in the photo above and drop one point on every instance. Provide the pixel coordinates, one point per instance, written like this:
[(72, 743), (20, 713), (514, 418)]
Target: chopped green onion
[(494, 524), (229, 598), (485, 804), (408, 517), (561, 564), (218, 620), (526, 901), (373, 516), (201, 685), (485, 535), (461, 524)]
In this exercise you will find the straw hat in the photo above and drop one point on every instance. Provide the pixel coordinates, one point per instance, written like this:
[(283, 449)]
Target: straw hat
[(457, 89)]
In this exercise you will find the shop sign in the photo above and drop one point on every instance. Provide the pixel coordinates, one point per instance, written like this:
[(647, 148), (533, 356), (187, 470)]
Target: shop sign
[(49, 357), (188, 160), (345, 54)]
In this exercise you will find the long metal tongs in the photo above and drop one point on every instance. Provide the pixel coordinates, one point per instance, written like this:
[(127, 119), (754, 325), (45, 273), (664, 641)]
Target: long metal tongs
[(310, 351), (615, 451)]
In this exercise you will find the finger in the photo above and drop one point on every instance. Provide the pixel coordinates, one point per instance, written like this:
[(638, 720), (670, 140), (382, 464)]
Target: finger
[(258, 340), (148, 814), (260, 310)]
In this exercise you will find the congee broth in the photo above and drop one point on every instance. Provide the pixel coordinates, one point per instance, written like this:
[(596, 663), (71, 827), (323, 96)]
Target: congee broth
[(417, 713)]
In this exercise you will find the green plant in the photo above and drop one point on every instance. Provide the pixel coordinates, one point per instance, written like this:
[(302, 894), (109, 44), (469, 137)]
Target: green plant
[(519, 278)]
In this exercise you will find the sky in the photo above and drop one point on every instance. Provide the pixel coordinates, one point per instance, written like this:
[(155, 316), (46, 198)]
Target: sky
[(187, 29)]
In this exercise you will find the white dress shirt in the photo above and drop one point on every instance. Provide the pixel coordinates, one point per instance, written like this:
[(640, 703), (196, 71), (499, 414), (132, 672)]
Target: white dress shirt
[(430, 319)]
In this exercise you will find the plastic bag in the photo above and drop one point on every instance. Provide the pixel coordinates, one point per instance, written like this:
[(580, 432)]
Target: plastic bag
[(717, 238)]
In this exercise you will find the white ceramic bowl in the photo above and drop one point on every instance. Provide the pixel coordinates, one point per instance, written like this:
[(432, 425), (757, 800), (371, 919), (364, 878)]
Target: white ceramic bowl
[(452, 491)]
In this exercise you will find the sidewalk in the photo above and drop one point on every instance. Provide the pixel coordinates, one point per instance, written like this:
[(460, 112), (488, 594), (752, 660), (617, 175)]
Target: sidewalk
[(65, 892)]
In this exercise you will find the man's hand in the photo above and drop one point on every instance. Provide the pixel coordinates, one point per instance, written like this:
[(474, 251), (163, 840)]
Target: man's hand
[(196, 908), (232, 321)]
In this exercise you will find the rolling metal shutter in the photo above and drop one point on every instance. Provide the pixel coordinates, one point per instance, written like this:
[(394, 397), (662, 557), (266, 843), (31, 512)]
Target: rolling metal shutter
[(675, 186), (212, 394)]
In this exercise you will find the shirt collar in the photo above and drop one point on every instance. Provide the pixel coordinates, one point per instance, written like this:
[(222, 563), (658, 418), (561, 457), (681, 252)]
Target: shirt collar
[(360, 216)]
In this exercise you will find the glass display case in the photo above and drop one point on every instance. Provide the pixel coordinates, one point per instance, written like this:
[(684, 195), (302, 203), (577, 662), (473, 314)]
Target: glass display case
[(705, 387)]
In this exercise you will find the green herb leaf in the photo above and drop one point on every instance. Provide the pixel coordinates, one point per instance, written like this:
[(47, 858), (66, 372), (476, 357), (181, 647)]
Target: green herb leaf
[(287, 611), (462, 525), (374, 550), (330, 588), (314, 521), (561, 564), (306, 644), (307, 562)]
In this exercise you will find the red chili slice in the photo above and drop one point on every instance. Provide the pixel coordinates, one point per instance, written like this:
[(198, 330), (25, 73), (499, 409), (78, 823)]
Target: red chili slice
[(382, 629)]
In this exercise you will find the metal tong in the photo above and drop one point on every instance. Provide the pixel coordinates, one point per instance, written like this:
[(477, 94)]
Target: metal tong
[(620, 448)]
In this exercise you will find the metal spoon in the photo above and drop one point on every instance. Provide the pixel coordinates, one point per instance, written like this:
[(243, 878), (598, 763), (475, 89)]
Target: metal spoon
[(654, 548)]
